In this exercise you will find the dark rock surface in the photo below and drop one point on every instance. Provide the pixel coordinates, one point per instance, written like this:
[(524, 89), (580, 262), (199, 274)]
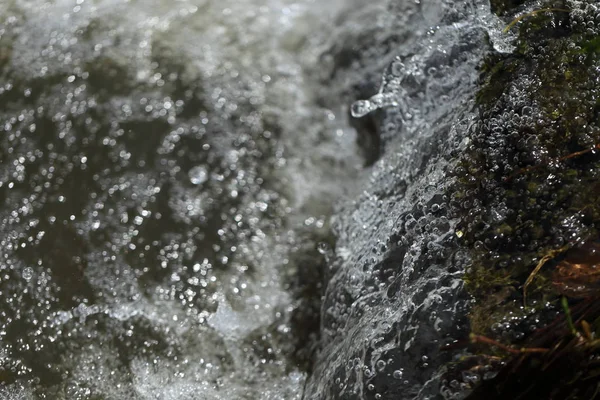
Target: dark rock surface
[(478, 181)]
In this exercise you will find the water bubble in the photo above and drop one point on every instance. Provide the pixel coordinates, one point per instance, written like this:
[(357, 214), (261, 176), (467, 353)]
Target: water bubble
[(27, 273), (198, 175), (397, 68), (397, 374), (323, 248), (470, 377)]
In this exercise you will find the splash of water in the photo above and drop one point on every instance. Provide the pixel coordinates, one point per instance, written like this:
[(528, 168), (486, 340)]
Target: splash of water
[(401, 79)]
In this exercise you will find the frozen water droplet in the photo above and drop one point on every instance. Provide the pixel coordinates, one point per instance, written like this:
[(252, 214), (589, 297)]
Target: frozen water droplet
[(198, 175)]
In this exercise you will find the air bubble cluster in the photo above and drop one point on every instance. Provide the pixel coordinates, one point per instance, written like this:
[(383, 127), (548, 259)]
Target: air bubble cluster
[(476, 178), (396, 292)]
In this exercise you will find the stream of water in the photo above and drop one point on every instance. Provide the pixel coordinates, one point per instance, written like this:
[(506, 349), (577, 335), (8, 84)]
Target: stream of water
[(166, 174)]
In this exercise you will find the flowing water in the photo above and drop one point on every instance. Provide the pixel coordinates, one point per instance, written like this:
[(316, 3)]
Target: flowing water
[(168, 173), (395, 296)]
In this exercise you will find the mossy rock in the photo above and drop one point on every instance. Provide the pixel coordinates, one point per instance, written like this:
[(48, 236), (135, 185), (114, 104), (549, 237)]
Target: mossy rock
[(527, 187), (502, 6)]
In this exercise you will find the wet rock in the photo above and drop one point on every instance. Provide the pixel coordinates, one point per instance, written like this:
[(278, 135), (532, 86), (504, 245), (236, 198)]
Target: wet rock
[(477, 183), (396, 294)]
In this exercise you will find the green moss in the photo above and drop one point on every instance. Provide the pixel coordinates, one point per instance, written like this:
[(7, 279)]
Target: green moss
[(501, 6), (528, 186), (591, 46), (495, 74), (529, 190), (492, 287)]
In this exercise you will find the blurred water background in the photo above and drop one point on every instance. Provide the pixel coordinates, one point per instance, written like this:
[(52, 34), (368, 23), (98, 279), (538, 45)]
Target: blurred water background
[(167, 170)]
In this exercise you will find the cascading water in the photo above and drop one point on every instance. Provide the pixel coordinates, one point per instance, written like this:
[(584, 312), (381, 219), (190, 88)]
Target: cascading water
[(168, 170), (166, 174), (396, 294)]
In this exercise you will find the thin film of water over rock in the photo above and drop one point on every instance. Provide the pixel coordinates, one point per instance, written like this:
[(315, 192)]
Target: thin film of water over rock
[(396, 294)]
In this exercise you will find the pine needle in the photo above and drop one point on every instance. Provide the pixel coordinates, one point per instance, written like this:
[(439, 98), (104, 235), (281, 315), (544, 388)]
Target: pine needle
[(551, 254), (529, 14)]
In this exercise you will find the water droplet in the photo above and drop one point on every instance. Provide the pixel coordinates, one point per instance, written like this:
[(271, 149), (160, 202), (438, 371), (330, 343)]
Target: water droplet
[(323, 248), (361, 108), (198, 175), (397, 68), (27, 273)]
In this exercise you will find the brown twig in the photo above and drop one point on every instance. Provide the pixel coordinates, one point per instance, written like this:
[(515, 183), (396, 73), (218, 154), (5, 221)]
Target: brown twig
[(529, 14), (568, 156), (551, 254), (486, 340)]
